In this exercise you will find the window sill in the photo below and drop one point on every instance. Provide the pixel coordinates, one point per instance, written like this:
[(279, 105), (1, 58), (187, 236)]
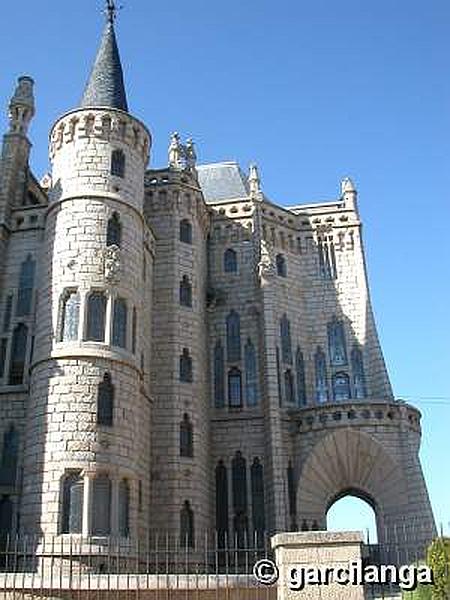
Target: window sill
[(6, 388), (89, 348)]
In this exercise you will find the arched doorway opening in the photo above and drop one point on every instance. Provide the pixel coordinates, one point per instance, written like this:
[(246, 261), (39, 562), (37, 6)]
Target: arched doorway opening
[(353, 511)]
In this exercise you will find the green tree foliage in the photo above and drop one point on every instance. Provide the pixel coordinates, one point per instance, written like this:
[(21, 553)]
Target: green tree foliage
[(438, 558)]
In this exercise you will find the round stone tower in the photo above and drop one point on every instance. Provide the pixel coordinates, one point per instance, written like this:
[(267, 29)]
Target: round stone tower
[(87, 459)]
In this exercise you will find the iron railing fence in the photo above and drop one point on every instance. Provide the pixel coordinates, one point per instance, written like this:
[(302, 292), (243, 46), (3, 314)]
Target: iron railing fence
[(157, 554), (160, 567)]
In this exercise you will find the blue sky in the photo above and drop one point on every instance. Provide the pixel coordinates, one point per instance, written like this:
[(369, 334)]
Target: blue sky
[(311, 91)]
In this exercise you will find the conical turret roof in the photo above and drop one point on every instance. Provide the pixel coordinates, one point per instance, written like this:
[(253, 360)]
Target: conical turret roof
[(105, 87)]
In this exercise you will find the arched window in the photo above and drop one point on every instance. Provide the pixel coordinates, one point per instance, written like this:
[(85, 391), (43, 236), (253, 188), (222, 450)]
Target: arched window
[(235, 388), (286, 346), (118, 163), (219, 375), (70, 316), (301, 379), (280, 387), (289, 391), (185, 231), (186, 374), (114, 231), (359, 378), (140, 495), (26, 285), (18, 354), (119, 334), (251, 376), (281, 265), (101, 505), (241, 537), (96, 316), (3, 352), (133, 331), (230, 261), (105, 401), (185, 292), (221, 504), (233, 337), (239, 479), (239, 491), (336, 343), (10, 457), (292, 496), (341, 387), (186, 437), (124, 508), (8, 312), (257, 484), (321, 376), (187, 533), (6, 518), (72, 503), (327, 257)]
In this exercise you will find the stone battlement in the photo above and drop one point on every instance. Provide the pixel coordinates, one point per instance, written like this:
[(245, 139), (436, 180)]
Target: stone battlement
[(110, 125)]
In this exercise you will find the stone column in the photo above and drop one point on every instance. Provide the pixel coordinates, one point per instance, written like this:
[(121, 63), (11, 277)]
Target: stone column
[(317, 549), (87, 495)]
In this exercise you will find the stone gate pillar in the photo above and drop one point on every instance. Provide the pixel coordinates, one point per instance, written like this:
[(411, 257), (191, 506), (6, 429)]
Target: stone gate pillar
[(316, 549)]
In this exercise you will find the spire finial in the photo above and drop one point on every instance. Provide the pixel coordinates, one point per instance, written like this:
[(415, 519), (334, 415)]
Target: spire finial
[(111, 11), (105, 88)]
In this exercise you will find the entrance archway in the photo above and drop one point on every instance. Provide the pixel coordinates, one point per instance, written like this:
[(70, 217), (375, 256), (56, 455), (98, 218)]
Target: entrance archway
[(352, 462), (376, 460), (350, 511)]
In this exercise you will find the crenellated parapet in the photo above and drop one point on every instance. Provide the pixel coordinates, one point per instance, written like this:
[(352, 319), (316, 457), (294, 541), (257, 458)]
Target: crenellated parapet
[(109, 125)]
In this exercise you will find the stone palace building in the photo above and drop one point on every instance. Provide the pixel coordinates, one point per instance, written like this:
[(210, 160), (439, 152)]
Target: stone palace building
[(177, 351)]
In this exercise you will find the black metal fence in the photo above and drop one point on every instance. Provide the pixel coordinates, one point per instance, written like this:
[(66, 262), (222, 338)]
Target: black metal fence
[(161, 567)]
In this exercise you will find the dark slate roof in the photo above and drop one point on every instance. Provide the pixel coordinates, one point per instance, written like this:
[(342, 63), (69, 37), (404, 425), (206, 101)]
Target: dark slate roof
[(222, 181), (105, 87)]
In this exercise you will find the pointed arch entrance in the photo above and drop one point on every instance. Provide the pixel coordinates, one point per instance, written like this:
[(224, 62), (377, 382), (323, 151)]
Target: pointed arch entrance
[(353, 510), (348, 461)]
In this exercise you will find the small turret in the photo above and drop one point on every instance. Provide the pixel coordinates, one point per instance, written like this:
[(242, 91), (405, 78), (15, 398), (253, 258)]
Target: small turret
[(21, 107), (16, 147), (349, 193), (254, 181)]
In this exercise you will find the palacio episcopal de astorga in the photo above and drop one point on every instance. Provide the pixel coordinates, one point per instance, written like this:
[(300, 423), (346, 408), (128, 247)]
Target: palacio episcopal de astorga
[(180, 353)]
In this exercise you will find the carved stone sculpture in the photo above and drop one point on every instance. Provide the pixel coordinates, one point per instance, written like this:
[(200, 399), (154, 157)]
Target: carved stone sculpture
[(266, 265), (112, 264)]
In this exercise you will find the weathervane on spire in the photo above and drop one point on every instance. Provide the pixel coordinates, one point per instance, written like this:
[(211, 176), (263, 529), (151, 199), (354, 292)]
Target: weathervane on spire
[(111, 10)]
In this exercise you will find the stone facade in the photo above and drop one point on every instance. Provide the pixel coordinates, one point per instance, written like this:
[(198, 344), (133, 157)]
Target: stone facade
[(236, 347)]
